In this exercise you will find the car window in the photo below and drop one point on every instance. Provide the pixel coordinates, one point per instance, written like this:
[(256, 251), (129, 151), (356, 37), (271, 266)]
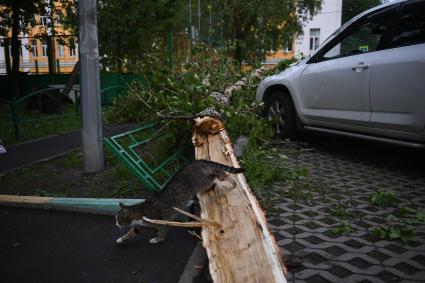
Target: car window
[(363, 38), (410, 28)]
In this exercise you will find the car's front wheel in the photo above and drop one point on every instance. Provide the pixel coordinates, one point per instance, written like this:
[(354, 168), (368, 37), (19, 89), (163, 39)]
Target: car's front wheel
[(280, 111)]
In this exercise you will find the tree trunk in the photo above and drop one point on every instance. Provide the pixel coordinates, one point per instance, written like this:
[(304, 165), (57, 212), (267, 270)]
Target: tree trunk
[(72, 79), (243, 249), (51, 45), (7, 55), (15, 78)]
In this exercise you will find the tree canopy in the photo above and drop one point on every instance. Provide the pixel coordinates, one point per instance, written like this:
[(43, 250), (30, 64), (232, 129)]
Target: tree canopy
[(16, 17), (127, 29), (352, 8), (258, 26)]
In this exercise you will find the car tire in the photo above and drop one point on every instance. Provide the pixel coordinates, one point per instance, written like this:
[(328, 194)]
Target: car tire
[(281, 112)]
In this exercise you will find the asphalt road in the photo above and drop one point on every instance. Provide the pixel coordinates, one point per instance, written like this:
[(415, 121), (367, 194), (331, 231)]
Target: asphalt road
[(51, 246), (23, 154)]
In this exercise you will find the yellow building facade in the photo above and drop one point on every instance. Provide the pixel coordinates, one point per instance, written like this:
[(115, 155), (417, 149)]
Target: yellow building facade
[(35, 45), (284, 52)]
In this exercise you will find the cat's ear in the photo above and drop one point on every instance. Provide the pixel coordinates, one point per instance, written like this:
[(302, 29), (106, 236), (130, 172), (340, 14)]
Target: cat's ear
[(121, 205)]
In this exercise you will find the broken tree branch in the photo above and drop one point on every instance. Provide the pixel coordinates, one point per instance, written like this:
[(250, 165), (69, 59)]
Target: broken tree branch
[(175, 223), (201, 221)]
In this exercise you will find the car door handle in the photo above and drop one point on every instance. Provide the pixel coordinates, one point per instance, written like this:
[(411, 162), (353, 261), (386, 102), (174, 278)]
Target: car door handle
[(361, 66)]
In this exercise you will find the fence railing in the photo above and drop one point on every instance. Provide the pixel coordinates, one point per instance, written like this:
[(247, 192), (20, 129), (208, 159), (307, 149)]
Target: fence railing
[(108, 95)]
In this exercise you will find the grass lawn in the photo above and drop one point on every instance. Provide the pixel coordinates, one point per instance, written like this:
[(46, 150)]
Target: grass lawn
[(35, 125), (64, 177)]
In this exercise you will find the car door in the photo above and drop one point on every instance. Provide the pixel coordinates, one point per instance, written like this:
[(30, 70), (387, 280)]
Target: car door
[(335, 84), (397, 84)]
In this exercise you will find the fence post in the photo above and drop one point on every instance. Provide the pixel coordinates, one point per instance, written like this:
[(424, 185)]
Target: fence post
[(58, 66), (105, 98), (39, 103), (190, 30), (170, 49), (15, 117), (76, 101), (210, 29), (59, 102)]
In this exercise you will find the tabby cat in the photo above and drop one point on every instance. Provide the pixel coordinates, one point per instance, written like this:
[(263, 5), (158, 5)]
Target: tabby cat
[(197, 176)]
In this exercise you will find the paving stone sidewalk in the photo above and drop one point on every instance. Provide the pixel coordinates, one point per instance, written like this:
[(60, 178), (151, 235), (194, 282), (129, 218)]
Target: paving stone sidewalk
[(342, 176)]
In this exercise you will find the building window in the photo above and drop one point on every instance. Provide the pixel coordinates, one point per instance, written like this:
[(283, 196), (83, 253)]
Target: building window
[(288, 46), (58, 16), (44, 48), (34, 49), (314, 38), (44, 21), (71, 51), (61, 50)]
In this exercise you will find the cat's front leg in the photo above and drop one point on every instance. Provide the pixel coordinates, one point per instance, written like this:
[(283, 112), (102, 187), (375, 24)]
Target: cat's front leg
[(130, 234), (162, 233)]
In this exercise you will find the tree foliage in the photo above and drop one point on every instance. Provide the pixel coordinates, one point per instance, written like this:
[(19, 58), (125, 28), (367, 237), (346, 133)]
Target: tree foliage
[(352, 8), (16, 17), (24, 10), (127, 29), (259, 26), (130, 29)]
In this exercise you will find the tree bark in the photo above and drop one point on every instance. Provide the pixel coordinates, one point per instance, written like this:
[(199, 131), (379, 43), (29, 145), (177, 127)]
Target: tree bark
[(51, 47), (15, 78), (7, 55), (72, 79), (243, 249)]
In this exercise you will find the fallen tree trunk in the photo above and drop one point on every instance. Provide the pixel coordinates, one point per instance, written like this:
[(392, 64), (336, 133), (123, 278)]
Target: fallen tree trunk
[(243, 248), (225, 96), (240, 247)]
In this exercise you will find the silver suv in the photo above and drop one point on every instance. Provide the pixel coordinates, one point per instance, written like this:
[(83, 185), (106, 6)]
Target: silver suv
[(366, 80)]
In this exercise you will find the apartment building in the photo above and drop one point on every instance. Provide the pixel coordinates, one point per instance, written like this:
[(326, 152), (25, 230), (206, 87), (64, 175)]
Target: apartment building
[(315, 31), (34, 50)]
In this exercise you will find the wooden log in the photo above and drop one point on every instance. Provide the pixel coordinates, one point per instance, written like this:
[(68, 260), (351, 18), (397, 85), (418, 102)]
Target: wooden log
[(243, 249)]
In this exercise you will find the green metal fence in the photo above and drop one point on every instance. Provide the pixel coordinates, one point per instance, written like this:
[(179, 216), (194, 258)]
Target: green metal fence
[(17, 117), (146, 153), (109, 94)]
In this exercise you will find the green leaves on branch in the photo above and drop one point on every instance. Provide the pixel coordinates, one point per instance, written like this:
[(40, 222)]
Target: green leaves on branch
[(185, 90)]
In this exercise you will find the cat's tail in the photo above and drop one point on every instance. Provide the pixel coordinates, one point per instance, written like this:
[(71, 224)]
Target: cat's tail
[(222, 167)]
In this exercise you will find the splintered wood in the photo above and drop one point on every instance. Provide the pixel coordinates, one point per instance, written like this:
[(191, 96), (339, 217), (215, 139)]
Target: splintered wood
[(242, 249)]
